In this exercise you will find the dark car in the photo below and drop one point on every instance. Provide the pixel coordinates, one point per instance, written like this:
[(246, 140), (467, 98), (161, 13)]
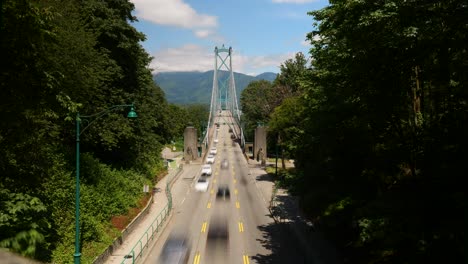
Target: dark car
[(218, 234), (176, 250), (223, 193)]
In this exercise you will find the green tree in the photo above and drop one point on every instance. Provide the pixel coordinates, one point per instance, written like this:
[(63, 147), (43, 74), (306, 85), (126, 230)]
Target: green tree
[(285, 123), (291, 73), (256, 103), (383, 111), (60, 58)]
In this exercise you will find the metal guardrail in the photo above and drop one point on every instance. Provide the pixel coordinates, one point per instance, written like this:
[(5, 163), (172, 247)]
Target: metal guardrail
[(143, 242)]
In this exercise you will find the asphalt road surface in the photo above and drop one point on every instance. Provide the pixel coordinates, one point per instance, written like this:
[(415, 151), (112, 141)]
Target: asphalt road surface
[(225, 229)]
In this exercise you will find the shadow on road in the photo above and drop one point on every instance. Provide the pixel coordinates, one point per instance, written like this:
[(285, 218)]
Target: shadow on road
[(284, 248), (264, 177), (291, 238)]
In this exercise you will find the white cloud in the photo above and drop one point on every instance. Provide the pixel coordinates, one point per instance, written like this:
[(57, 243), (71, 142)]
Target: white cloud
[(203, 33), (317, 37), (294, 1), (189, 57), (307, 43), (173, 13), (258, 62), (193, 57)]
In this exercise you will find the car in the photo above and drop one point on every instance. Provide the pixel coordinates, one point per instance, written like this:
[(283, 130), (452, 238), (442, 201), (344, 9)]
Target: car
[(215, 140), (206, 169), (223, 193), (213, 151), (218, 235), (230, 130), (175, 250), (210, 159), (202, 184), (224, 164)]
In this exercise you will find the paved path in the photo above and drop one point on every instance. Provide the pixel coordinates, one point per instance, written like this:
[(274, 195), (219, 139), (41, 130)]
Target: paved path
[(157, 206), (288, 214)]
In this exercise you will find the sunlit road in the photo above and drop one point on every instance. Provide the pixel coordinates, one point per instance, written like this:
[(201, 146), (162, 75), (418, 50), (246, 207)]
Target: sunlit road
[(205, 220)]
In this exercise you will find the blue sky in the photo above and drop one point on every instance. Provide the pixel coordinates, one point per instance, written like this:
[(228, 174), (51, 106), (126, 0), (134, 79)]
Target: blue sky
[(181, 34)]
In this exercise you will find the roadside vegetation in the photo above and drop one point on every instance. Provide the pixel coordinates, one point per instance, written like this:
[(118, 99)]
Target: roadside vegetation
[(376, 122), (58, 58)]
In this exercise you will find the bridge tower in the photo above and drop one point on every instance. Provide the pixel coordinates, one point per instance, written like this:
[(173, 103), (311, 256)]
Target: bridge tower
[(223, 94)]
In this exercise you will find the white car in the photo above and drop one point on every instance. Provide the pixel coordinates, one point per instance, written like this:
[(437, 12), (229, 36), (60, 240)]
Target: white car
[(206, 169), (210, 159), (213, 151), (216, 140), (202, 184)]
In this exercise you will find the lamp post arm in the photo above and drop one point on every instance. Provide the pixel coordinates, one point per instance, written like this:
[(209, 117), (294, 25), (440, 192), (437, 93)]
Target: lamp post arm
[(96, 116)]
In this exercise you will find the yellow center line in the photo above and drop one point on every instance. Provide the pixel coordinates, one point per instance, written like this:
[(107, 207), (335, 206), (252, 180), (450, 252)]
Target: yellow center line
[(241, 227), (237, 205), (212, 191), (235, 181), (203, 229), (235, 191), (196, 260), (246, 259), (208, 205), (214, 181)]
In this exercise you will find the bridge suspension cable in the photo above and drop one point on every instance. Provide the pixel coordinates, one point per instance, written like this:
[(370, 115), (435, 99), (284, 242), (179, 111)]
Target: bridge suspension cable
[(223, 94)]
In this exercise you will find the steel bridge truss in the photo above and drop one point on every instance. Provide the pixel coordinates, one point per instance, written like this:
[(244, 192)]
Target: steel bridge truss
[(223, 94)]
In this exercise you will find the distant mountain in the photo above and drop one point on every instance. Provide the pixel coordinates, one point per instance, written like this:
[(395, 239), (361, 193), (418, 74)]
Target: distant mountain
[(270, 76), (195, 87)]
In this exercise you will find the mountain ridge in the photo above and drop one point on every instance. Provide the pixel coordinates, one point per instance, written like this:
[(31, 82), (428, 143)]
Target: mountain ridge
[(195, 87)]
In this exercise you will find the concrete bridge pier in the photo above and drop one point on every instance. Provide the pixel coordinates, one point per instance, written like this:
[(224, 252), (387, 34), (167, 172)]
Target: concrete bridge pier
[(260, 144), (190, 144)]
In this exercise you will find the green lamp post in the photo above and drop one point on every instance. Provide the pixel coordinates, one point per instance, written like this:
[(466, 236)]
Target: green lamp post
[(91, 119)]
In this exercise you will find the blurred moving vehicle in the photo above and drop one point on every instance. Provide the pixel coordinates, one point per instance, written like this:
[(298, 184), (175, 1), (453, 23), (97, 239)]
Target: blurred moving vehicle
[(223, 193), (218, 234), (224, 164), (210, 159), (206, 169), (202, 184), (213, 151), (176, 250)]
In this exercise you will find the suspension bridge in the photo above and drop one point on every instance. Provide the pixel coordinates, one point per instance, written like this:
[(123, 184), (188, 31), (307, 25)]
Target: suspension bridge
[(224, 107)]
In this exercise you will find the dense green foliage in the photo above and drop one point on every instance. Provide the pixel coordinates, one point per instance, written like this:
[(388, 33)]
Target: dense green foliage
[(176, 84), (182, 116), (262, 100), (58, 58), (378, 129)]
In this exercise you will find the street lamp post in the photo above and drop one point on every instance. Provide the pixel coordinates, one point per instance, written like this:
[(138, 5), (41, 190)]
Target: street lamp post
[(276, 154), (91, 119)]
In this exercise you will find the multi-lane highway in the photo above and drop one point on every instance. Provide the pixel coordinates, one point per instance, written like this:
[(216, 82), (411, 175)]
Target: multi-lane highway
[(225, 228)]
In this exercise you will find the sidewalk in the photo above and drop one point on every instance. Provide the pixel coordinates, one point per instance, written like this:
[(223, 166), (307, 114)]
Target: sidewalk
[(285, 210), (159, 204)]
